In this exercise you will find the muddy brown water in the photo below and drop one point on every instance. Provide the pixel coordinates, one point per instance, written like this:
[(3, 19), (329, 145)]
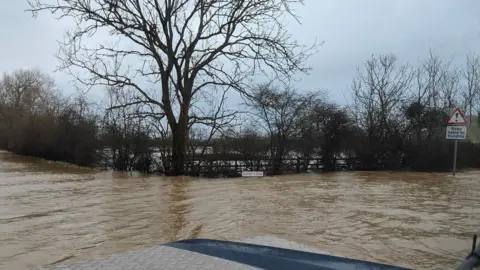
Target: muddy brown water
[(54, 214)]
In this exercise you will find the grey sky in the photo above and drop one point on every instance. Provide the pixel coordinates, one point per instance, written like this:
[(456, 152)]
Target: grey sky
[(353, 30)]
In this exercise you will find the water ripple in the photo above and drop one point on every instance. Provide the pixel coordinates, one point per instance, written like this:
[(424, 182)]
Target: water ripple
[(50, 214)]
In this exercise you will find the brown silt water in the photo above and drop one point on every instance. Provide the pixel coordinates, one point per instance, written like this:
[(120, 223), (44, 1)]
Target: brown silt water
[(54, 214)]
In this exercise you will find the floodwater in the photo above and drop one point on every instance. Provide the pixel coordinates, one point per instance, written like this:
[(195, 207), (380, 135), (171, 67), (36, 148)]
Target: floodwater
[(54, 214)]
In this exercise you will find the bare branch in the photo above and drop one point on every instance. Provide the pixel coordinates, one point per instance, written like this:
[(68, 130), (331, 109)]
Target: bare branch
[(180, 46)]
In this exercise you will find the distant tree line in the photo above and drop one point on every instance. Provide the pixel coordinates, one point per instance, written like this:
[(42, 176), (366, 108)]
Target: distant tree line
[(395, 120), (171, 68)]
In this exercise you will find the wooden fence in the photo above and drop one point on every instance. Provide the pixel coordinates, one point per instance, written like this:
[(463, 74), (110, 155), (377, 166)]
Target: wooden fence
[(234, 167)]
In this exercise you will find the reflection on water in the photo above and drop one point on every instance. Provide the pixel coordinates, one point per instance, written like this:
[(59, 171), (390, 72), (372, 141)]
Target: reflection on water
[(52, 213)]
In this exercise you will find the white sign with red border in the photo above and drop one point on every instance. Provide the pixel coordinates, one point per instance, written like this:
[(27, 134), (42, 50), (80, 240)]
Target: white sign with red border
[(456, 130), (457, 126), (457, 118)]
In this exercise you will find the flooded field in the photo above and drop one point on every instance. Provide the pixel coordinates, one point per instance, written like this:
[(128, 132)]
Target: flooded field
[(52, 213)]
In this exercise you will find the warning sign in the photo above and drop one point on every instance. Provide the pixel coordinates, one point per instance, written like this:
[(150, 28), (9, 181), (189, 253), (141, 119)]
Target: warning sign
[(457, 118)]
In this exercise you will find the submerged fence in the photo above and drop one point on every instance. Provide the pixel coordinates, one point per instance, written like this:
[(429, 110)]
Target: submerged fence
[(233, 167)]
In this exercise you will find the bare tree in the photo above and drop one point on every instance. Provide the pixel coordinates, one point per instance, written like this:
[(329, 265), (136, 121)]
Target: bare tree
[(379, 91), (183, 46), (210, 116), (429, 76), (23, 89), (279, 112), (22, 93), (449, 87), (125, 131), (435, 88), (331, 129), (471, 73)]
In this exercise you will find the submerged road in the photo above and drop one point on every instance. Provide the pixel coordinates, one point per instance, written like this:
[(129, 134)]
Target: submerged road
[(54, 214)]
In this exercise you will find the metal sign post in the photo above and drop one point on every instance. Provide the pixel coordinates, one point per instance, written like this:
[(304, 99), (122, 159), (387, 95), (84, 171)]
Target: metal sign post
[(455, 147), (456, 130)]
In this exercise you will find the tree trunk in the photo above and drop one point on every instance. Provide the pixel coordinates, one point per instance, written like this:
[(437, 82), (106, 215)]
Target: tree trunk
[(179, 146), (278, 160), (327, 159), (178, 153)]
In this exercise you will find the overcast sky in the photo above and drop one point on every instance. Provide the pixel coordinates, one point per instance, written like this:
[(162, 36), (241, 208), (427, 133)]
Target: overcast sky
[(352, 30)]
